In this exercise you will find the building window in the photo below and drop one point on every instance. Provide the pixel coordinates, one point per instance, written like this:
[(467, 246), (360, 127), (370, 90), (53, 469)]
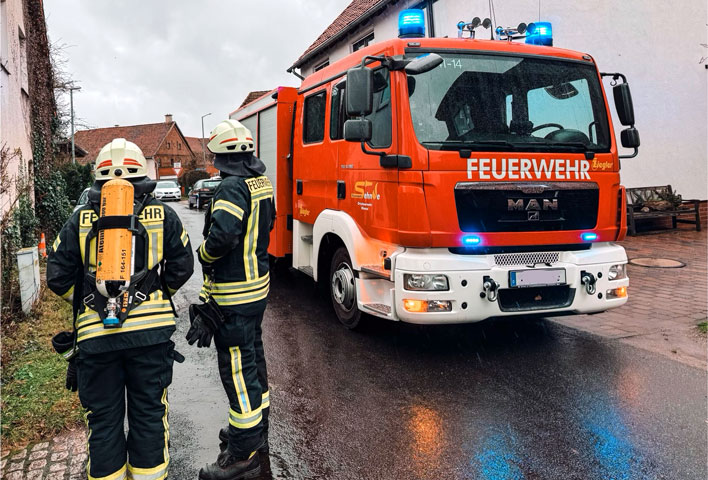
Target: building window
[(179, 145), (168, 144), (364, 42), (314, 122), (322, 65), (427, 7), (24, 78), (4, 40)]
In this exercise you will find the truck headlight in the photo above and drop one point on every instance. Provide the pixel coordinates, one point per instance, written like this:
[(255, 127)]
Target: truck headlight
[(617, 272), (425, 282)]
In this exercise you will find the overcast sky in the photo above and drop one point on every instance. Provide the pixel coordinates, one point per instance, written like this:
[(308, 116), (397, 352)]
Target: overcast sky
[(136, 60)]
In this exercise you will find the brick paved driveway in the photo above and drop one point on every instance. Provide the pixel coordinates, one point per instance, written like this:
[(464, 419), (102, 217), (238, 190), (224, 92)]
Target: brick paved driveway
[(665, 304)]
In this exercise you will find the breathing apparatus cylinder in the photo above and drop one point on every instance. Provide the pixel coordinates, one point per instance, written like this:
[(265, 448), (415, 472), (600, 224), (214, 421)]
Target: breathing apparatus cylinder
[(115, 260)]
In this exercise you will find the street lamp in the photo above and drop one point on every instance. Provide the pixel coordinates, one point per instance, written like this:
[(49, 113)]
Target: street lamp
[(71, 97), (204, 151)]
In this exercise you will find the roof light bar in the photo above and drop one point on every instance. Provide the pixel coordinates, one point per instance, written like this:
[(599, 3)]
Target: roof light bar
[(540, 33), (411, 23)]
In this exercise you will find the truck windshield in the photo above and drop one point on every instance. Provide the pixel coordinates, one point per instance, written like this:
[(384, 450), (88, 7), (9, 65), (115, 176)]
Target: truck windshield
[(506, 103)]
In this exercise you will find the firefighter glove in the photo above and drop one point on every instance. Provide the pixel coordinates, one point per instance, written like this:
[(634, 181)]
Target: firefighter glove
[(63, 343), (72, 380), (205, 320)]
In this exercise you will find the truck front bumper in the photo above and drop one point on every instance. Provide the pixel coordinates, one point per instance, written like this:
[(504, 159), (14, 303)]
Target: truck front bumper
[(586, 288)]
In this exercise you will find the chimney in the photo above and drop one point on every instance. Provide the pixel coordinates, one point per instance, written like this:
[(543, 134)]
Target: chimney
[(168, 118)]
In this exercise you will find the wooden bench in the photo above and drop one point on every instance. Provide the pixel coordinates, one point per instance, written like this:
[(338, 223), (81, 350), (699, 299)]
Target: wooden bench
[(641, 197)]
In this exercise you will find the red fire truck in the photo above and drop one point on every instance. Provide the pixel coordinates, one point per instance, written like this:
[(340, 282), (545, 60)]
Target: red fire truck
[(441, 180)]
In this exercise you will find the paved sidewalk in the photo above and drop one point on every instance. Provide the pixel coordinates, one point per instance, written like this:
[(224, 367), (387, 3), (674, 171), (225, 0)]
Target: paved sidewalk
[(62, 458), (665, 304)]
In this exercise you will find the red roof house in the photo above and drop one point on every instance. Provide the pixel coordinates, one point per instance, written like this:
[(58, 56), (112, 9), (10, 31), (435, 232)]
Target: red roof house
[(165, 148)]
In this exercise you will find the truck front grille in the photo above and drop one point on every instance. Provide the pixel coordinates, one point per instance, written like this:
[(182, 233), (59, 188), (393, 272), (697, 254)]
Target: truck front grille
[(526, 207), (534, 258)]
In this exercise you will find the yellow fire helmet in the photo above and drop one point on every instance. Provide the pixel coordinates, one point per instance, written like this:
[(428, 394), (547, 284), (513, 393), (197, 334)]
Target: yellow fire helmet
[(230, 136), (120, 159)]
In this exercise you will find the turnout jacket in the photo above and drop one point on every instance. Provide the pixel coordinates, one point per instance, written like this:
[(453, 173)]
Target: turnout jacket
[(152, 321), (236, 236)]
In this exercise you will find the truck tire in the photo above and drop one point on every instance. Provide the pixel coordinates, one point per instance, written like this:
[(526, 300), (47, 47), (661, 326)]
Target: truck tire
[(342, 289)]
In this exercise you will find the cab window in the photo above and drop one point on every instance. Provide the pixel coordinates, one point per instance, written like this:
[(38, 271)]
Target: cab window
[(338, 112), (314, 121), (380, 116)]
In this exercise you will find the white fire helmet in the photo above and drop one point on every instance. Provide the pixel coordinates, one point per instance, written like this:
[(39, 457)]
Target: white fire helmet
[(120, 159), (230, 136)]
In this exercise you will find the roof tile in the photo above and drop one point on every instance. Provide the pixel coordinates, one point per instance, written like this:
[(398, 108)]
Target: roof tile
[(148, 137), (252, 96), (351, 14)]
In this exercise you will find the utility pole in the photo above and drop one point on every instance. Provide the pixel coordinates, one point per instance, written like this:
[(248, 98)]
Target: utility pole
[(203, 147), (71, 100)]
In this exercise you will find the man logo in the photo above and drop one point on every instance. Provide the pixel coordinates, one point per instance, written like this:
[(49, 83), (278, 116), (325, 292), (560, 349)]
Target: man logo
[(534, 215), (530, 204)]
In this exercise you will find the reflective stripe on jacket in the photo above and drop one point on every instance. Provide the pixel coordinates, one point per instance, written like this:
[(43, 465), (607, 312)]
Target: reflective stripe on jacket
[(150, 322), (236, 236)]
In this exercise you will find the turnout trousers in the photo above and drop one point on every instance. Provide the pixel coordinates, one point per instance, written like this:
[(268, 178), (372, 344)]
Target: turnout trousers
[(141, 375), (243, 372)]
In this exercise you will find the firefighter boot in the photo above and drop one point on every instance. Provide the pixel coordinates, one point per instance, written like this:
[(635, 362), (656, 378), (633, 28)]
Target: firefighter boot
[(228, 467), (263, 449)]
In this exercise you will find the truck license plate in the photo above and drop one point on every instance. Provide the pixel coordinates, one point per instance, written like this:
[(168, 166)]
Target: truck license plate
[(537, 277)]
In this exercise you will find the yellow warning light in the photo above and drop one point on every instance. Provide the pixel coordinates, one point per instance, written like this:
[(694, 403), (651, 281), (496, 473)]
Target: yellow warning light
[(415, 305), (619, 292)]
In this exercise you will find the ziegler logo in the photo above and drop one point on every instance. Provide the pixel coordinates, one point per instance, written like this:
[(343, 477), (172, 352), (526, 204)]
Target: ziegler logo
[(360, 190)]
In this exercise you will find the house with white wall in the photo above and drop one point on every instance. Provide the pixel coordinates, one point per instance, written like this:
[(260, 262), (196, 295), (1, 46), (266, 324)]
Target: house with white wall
[(15, 125), (662, 48)]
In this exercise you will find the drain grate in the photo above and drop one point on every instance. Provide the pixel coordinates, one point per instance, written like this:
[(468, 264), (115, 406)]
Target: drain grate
[(652, 262)]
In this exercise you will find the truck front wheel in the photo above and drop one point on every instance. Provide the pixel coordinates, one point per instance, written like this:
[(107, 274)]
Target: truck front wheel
[(342, 289)]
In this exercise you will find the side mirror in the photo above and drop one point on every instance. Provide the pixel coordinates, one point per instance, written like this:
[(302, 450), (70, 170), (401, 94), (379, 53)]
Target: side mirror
[(357, 130), (360, 91), (623, 104), (630, 137), (423, 64)]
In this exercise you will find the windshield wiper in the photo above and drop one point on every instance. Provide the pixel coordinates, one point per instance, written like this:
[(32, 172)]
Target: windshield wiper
[(501, 145), (470, 145), (560, 147)]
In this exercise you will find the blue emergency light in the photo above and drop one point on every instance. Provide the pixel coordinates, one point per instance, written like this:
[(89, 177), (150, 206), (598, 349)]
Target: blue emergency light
[(411, 23), (588, 236), (471, 240), (540, 33)]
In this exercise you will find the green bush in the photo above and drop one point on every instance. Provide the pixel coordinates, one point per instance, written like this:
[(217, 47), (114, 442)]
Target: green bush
[(52, 204), (77, 177)]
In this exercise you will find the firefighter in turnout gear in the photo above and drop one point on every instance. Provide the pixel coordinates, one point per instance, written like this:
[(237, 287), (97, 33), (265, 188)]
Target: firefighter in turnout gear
[(133, 358), (234, 258)]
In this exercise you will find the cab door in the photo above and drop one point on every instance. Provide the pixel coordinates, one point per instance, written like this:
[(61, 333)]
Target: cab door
[(366, 190), (313, 170)]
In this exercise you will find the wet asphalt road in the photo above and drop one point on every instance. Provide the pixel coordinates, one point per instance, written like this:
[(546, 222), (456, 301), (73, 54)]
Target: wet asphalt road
[(523, 399)]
